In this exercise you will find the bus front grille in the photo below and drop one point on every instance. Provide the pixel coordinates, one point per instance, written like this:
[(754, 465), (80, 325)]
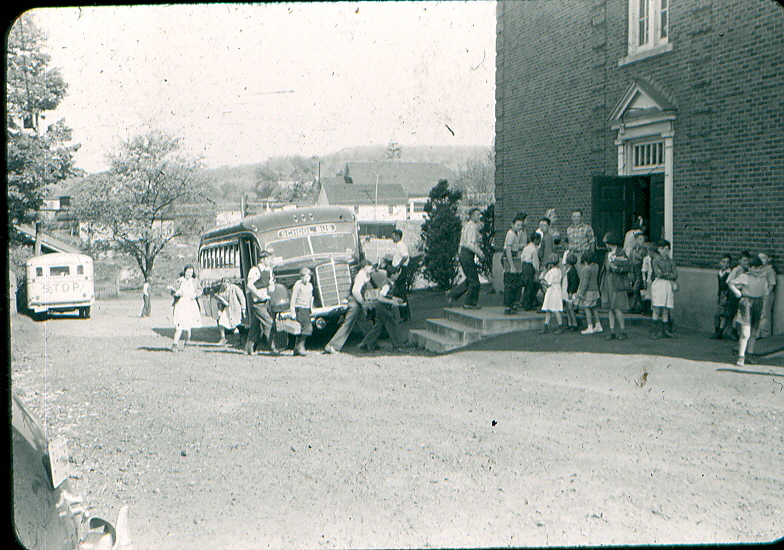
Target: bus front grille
[(334, 283)]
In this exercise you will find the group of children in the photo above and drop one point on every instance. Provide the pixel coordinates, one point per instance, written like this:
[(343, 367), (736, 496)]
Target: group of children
[(640, 279), (745, 300)]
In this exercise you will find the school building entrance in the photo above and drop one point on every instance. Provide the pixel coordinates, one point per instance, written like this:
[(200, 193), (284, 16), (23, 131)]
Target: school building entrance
[(617, 201)]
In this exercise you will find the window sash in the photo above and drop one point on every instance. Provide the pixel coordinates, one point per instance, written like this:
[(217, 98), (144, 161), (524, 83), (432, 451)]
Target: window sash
[(648, 24)]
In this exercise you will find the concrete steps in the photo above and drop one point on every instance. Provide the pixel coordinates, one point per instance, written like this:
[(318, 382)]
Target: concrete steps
[(460, 327)]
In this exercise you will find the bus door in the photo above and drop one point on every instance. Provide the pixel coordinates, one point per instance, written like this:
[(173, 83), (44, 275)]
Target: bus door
[(249, 256)]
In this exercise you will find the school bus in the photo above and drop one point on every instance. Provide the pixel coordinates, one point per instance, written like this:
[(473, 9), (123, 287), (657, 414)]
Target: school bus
[(323, 238), (60, 282)]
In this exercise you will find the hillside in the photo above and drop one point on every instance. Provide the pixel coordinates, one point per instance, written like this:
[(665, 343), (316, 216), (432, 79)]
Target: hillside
[(231, 181)]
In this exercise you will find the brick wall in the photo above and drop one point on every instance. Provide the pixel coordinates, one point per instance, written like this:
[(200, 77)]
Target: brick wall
[(558, 78)]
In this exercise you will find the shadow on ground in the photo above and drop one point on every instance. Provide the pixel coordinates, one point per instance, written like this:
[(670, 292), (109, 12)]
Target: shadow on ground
[(693, 346), (429, 304)]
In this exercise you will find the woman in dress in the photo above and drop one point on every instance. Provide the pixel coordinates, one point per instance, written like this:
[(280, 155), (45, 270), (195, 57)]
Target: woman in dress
[(186, 312)]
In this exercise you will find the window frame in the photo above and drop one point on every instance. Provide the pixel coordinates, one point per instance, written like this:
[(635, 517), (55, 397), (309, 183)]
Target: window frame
[(658, 17)]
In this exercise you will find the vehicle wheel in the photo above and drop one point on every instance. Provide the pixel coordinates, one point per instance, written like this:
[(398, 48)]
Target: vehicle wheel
[(84, 312), (38, 316)]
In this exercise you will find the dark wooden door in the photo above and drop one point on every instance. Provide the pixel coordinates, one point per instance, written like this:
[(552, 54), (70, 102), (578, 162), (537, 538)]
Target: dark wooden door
[(619, 200), (656, 217)]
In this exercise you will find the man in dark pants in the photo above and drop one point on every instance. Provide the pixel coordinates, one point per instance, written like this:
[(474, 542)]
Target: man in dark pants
[(513, 278), (385, 317), (529, 258), (356, 306), (470, 249), (398, 273), (261, 283)]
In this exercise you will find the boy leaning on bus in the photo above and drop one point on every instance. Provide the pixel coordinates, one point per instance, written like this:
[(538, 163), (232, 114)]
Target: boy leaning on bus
[(261, 283)]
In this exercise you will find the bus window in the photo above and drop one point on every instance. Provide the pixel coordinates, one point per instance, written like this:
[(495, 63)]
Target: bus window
[(292, 248), (340, 243), (59, 271), (80, 270), (39, 271)]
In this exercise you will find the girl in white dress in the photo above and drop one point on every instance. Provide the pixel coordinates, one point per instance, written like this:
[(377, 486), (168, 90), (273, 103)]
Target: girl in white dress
[(186, 311), (553, 302)]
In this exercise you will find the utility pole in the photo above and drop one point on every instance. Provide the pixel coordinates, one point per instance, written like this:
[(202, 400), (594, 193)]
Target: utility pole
[(375, 202)]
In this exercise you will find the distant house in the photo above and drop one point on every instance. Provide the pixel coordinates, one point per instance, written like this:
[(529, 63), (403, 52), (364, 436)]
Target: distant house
[(370, 202), (409, 182), (56, 202)]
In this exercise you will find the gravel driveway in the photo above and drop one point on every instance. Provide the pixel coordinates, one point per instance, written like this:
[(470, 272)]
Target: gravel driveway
[(215, 449)]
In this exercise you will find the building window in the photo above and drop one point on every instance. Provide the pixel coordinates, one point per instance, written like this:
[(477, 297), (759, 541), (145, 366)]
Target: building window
[(649, 25), (648, 155)]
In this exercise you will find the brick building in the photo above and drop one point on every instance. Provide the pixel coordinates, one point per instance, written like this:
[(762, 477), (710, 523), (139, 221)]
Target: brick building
[(671, 110)]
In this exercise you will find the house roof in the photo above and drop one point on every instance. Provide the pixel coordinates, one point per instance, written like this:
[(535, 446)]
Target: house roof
[(48, 243), (361, 194), (416, 178)]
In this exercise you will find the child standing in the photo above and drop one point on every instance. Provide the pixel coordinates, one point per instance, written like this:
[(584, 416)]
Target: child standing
[(750, 288), (587, 296), (552, 303), (570, 282), (231, 304), (767, 306), (665, 274), (615, 286), (301, 306), (724, 311), (636, 256), (186, 311), (647, 276)]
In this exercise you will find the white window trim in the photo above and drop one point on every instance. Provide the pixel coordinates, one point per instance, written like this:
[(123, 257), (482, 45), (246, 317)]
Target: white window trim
[(653, 128), (656, 43)]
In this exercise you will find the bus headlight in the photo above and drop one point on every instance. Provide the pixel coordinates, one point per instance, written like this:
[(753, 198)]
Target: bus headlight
[(320, 323)]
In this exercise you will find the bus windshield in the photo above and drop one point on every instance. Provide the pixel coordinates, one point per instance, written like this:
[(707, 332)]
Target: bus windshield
[(336, 243)]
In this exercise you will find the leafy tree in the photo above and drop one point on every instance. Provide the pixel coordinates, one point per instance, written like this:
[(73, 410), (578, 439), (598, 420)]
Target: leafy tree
[(286, 179), (34, 158), (487, 235), (140, 200), (441, 235), (477, 180)]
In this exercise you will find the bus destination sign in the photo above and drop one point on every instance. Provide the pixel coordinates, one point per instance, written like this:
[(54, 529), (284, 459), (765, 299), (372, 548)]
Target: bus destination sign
[(307, 230)]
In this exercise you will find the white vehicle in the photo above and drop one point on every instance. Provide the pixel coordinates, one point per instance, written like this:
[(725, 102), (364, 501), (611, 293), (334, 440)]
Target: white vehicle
[(60, 282)]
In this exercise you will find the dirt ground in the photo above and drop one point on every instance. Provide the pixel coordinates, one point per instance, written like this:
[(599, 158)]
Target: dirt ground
[(493, 446)]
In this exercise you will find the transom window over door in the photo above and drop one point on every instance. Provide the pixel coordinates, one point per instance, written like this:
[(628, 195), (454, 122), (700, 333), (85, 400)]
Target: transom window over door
[(648, 155)]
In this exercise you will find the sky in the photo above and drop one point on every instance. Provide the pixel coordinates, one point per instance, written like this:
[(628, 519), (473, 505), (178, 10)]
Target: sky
[(242, 83)]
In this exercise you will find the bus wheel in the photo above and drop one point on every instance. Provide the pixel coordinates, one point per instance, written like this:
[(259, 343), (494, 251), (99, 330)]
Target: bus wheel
[(38, 315), (84, 312)]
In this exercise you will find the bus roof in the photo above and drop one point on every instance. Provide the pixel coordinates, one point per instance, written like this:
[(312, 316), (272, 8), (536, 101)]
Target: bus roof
[(59, 258), (280, 218)]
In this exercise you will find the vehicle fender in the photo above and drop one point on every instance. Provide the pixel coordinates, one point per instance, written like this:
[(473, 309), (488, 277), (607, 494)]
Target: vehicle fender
[(279, 299)]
